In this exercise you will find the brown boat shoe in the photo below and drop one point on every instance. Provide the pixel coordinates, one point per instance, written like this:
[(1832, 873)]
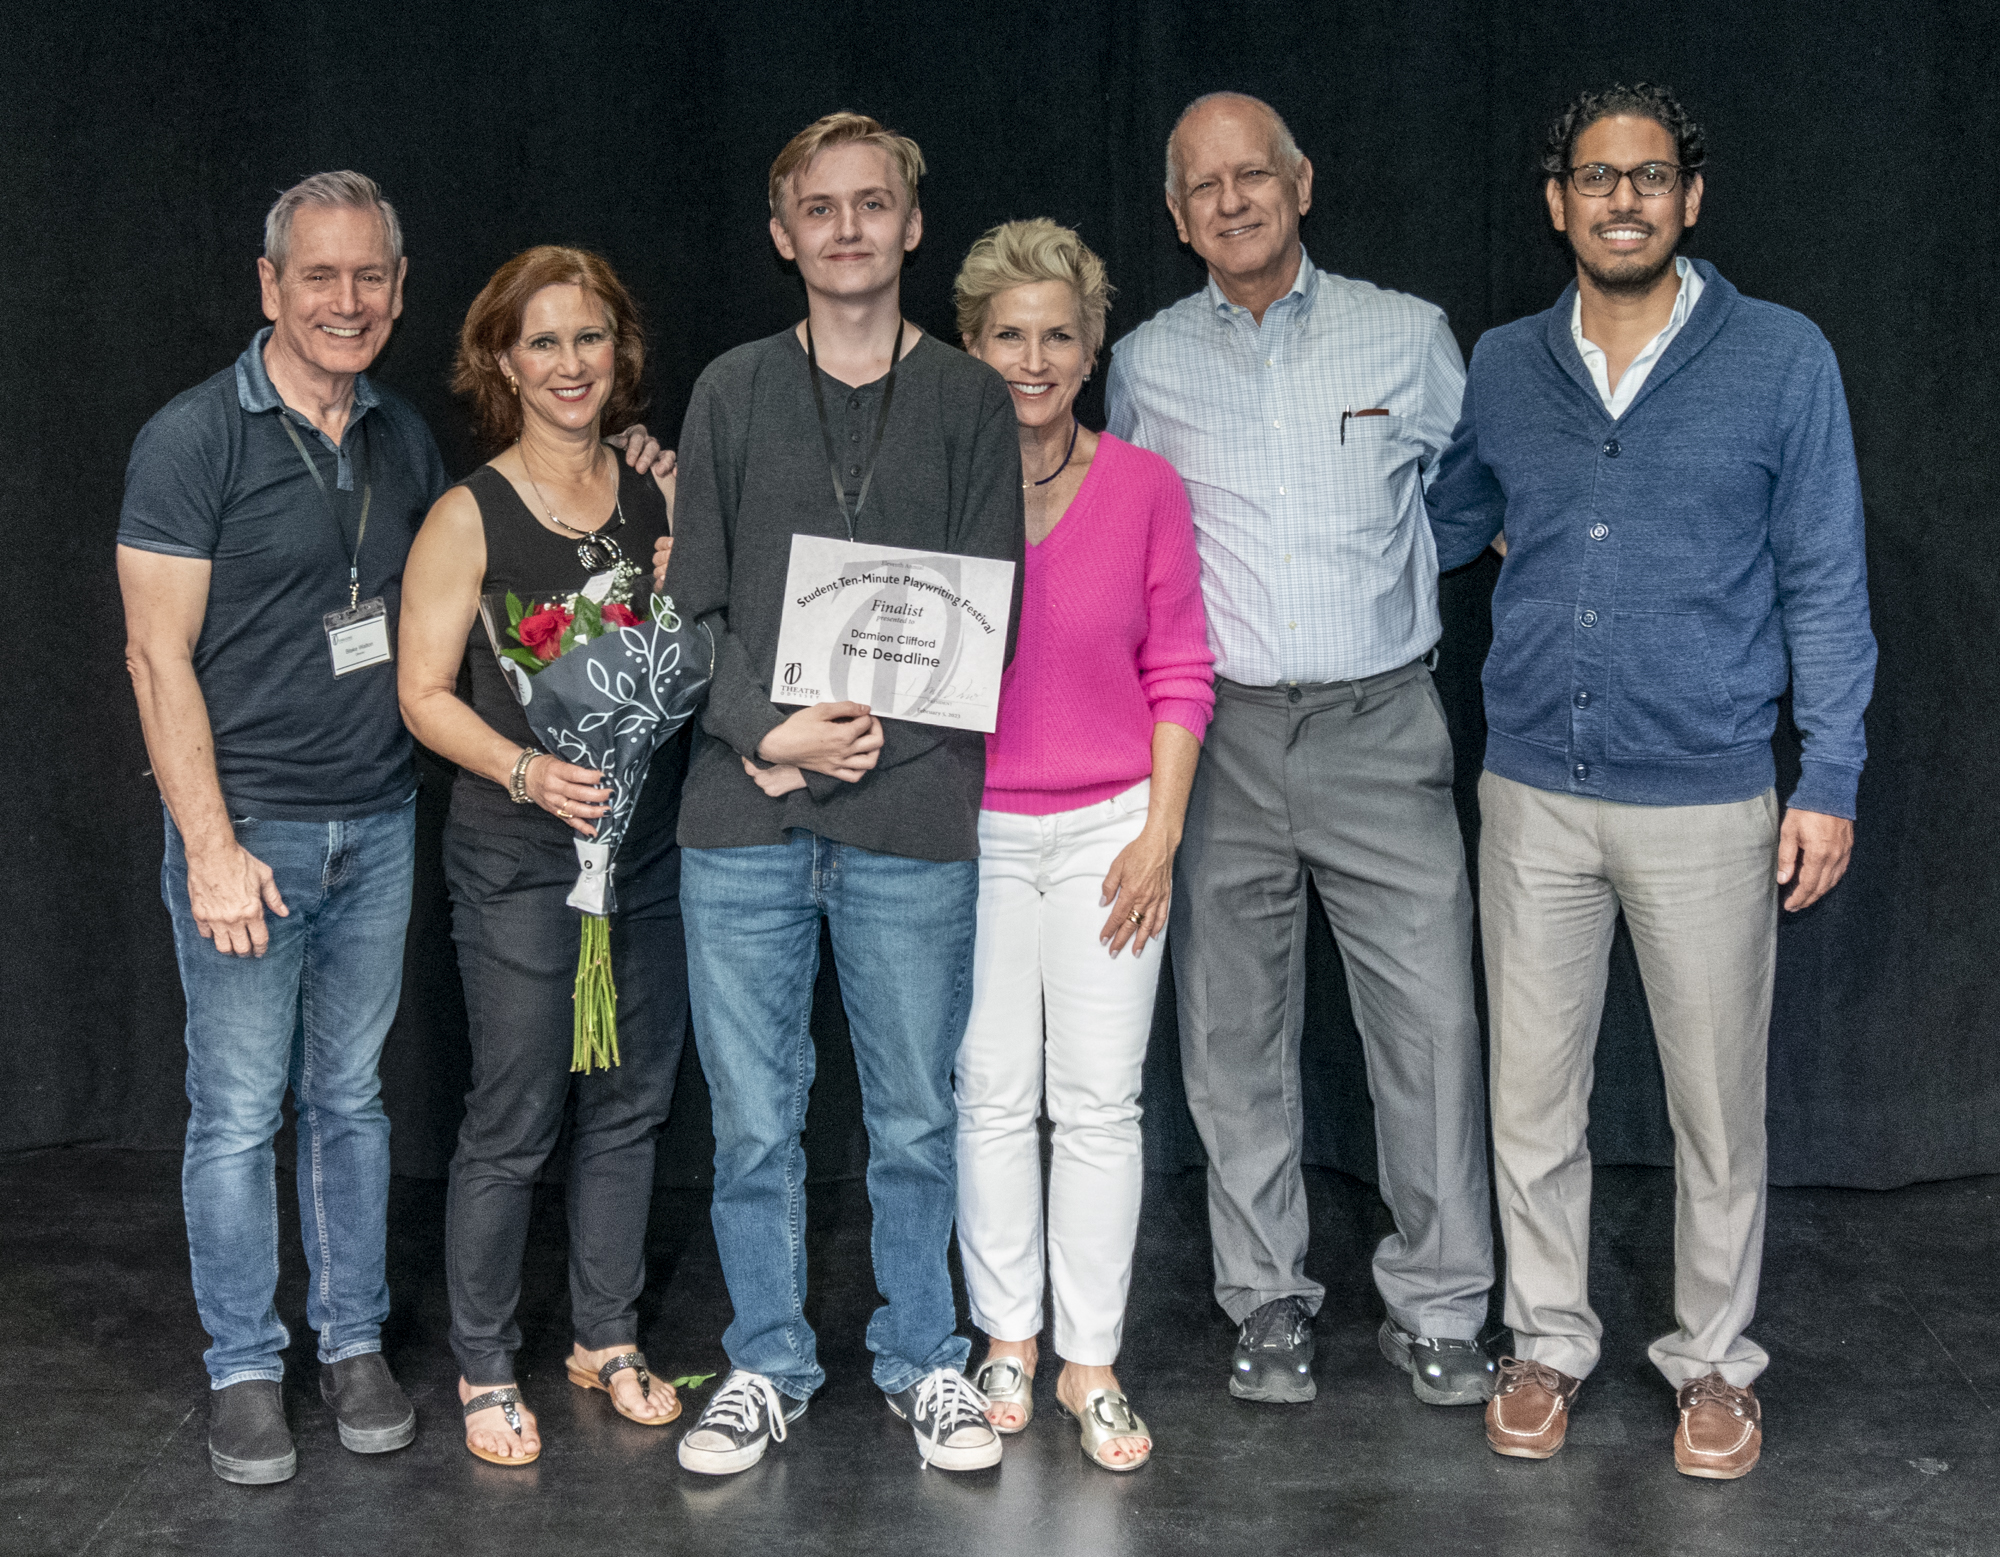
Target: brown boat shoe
[(1721, 1431), (1529, 1412)]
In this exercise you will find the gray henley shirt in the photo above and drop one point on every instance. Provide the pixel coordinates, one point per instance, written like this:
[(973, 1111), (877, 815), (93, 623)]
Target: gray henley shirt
[(753, 474)]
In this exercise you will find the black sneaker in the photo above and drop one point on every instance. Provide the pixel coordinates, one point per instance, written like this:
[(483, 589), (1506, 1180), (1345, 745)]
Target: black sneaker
[(738, 1424), (1442, 1372), (248, 1442), (1274, 1353), (375, 1415), (948, 1416)]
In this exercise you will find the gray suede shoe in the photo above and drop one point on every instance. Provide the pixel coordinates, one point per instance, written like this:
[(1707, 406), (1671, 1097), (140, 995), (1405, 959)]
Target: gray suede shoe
[(1442, 1372), (248, 1441), (375, 1415)]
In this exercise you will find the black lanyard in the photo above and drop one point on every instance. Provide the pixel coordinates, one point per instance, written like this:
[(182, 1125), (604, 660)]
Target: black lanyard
[(826, 432), (367, 492)]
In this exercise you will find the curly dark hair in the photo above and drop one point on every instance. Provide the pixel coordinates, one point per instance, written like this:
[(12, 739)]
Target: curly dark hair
[(1642, 100)]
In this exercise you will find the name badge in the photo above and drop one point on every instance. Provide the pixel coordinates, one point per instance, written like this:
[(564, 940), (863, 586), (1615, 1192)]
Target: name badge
[(358, 638), (915, 635)]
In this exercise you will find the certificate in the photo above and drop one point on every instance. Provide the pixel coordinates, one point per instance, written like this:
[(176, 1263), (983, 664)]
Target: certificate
[(916, 635)]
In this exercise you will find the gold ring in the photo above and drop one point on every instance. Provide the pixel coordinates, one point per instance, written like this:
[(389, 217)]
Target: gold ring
[(563, 810), (1136, 917)]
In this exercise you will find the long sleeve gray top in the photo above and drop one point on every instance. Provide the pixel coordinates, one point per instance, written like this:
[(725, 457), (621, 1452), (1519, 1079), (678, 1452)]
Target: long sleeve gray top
[(753, 473)]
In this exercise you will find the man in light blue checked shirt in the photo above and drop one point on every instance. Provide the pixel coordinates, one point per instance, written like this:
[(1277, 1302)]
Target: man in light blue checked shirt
[(1306, 412)]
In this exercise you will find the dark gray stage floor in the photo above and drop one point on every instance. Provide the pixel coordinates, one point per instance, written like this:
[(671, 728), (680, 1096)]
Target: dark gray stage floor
[(1882, 1404)]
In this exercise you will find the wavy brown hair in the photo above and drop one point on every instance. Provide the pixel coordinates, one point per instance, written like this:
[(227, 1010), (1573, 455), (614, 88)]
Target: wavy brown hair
[(493, 324)]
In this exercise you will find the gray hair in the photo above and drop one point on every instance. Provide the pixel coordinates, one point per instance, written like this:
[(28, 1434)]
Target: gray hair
[(1289, 155), (355, 190)]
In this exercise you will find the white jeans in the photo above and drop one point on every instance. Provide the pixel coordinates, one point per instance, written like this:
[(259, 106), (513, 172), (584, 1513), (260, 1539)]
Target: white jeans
[(1052, 1009)]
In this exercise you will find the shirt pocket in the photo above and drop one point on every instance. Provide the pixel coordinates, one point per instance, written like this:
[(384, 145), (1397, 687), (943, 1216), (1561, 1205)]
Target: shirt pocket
[(1667, 695), (1528, 673), (1375, 457)]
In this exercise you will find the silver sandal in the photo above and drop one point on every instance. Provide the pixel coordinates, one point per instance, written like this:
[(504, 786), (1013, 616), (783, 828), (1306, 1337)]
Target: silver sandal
[(1107, 1414), (1004, 1382)]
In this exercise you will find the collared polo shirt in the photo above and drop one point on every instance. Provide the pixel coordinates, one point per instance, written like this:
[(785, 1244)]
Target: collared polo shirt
[(1316, 557), (214, 476)]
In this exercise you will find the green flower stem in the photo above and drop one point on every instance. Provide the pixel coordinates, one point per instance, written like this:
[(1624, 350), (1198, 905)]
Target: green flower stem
[(596, 1045)]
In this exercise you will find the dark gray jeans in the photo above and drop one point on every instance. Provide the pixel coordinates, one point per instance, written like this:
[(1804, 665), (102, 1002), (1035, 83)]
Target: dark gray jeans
[(1346, 786), (517, 944)]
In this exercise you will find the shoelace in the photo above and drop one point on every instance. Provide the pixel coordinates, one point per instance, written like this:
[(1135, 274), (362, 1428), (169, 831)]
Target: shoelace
[(952, 1401), (1516, 1371), (740, 1399), (1714, 1387), (1276, 1324)]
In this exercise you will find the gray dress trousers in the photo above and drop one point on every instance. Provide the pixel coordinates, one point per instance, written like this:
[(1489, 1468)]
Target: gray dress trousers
[(1346, 786)]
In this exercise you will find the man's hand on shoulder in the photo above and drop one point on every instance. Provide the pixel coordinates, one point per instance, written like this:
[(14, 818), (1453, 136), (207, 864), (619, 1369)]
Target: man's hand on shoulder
[(1813, 850), (229, 888), (842, 740)]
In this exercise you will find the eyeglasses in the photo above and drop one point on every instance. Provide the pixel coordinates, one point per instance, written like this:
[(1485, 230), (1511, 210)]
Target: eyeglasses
[(1650, 180)]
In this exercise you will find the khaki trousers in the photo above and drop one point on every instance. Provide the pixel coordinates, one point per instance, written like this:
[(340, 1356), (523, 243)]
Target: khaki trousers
[(1697, 889)]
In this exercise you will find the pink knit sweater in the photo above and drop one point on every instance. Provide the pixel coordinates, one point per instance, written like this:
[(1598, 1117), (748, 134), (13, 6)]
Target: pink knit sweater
[(1113, 641)]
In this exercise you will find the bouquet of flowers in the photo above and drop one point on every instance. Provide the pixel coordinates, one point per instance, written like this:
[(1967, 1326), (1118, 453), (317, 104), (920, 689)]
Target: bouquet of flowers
[(605, 679)]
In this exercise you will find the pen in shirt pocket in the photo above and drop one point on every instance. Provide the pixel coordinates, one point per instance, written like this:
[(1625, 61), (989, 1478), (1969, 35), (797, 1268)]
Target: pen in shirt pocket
[(1350, 411)]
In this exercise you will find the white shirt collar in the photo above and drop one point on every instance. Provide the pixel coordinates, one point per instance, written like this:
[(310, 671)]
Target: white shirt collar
[(1635, 376)]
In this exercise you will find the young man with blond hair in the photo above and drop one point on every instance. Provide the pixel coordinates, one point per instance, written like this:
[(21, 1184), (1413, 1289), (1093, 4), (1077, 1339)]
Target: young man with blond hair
[(853, 426)]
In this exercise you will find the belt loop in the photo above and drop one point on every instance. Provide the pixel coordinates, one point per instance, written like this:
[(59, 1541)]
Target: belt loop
[(1360, 695)]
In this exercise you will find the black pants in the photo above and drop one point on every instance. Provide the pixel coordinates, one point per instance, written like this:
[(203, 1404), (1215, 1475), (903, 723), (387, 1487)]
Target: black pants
[(517, 946)]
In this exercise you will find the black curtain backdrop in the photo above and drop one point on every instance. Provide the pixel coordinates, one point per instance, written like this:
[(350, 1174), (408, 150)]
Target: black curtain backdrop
[(1854, 152)]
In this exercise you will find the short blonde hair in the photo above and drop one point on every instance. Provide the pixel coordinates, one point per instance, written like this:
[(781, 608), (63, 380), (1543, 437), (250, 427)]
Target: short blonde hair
[(1019, 254), (841, 129)]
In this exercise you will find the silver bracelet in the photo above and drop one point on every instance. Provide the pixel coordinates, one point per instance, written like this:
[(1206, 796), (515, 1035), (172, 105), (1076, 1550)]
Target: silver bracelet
[(517, 783)]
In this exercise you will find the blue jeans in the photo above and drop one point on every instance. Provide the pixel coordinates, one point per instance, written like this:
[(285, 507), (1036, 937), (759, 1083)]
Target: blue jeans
[(310, 1014), (902, 940)]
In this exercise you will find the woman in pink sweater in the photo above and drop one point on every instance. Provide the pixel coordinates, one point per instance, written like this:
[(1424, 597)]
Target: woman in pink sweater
[(1101, 718)]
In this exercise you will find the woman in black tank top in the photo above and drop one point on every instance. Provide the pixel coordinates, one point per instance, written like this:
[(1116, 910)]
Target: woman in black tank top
[(550, 352)]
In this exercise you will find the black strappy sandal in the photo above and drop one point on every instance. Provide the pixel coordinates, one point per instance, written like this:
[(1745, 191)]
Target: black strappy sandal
[(582, 1376), (508, 1399)]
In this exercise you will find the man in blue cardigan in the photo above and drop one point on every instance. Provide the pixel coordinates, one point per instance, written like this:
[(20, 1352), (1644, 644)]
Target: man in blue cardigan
[(1667, 467)]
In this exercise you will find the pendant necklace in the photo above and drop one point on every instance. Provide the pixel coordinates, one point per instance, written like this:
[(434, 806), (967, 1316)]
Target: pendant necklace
[(596, 549), (1074, 427)]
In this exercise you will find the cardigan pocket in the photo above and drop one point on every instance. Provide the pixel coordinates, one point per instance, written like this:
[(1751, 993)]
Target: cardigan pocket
[(1667, 698), (1529, 671)]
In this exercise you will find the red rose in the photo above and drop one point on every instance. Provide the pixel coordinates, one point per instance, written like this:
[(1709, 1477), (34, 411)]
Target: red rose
[(616, 615), (542, 631)]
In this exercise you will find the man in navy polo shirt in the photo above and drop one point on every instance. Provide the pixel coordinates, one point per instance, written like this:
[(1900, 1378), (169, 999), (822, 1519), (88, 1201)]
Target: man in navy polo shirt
[(1671, 466), (267, 515)]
